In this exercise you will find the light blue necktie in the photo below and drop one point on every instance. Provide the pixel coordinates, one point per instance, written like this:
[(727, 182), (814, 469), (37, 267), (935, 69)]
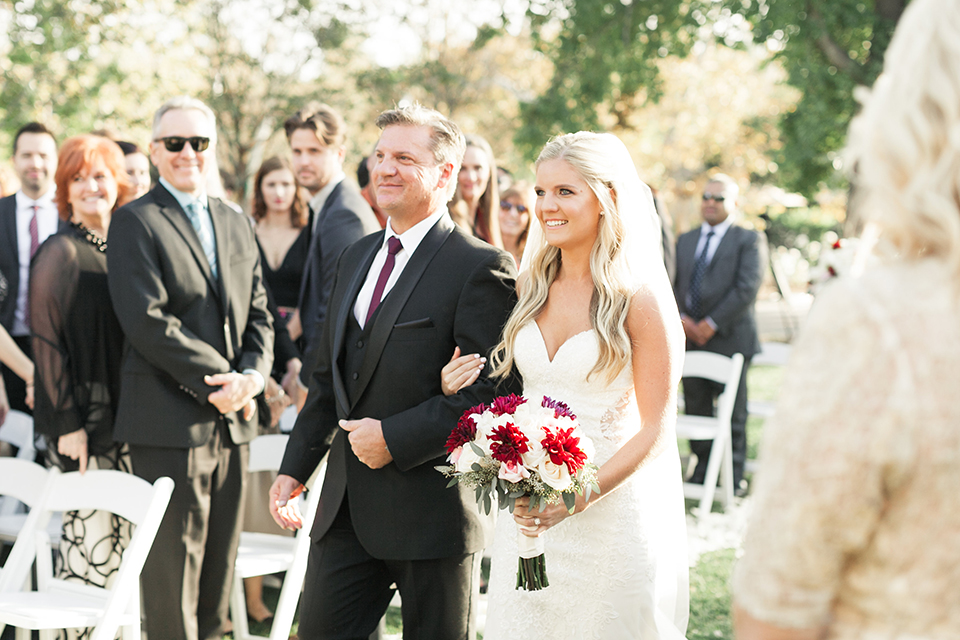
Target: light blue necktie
[(205, 234)]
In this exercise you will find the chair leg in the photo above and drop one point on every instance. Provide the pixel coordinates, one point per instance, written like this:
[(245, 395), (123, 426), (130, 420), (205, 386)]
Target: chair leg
[(238, 609), (726, 470)]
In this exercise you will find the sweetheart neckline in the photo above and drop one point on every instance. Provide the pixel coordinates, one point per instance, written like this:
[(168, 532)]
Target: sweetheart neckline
[(546, 350)]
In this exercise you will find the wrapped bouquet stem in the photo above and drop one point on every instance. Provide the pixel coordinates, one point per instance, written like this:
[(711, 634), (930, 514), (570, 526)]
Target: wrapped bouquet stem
[(514, 449)]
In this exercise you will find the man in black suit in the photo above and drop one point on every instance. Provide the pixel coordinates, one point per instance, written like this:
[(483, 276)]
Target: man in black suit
[(719, 271), (339, 216), (184, 274), (27, 218), (376, 404)]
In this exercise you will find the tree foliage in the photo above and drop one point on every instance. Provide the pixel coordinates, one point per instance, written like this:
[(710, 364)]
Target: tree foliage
[(827, 47), (605, 55)]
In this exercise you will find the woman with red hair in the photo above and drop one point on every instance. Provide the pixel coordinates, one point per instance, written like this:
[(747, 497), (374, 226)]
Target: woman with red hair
[(77, 344)]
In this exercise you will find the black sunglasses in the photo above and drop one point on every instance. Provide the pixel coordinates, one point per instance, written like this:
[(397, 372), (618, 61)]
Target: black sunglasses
[(716, 197), (174, 144), (506, 206)]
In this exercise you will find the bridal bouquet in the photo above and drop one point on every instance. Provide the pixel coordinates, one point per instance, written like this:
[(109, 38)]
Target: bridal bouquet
[(515, 449)]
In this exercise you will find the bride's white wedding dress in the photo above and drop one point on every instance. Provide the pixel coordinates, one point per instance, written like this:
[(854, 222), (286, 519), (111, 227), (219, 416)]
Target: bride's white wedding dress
[(619, 569)]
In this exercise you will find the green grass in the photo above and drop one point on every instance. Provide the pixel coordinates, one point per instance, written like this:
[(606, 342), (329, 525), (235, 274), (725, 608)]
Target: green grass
[(710, 598)]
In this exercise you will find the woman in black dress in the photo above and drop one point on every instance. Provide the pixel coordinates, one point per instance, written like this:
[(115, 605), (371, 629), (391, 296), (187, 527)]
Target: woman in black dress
[(280, 213), (77, 345)]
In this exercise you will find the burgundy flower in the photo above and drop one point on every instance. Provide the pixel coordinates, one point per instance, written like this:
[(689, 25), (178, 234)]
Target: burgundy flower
[(466, 428), (559, 408), (832, 271), (837, 245), (564, 448), (508, 444), (506, 404)]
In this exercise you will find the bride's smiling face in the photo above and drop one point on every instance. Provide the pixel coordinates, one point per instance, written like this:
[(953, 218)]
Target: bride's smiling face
[(567, 208)]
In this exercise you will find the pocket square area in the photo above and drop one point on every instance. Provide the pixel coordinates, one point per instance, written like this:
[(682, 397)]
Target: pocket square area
[(422, 323)]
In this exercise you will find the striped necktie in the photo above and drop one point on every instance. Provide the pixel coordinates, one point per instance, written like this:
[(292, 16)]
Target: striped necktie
[(699, 269)]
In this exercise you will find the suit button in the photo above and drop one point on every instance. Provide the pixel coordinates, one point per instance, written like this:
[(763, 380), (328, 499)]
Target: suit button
[(356, 375), (359, 344)]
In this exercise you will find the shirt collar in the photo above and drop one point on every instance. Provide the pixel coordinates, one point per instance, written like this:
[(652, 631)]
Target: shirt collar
[(44, 201), (718, 230), (412, 237), (184, 199), (317, 201)]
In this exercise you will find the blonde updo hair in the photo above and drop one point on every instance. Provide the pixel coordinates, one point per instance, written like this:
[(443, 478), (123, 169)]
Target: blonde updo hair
[(905, 144), (623, 257)]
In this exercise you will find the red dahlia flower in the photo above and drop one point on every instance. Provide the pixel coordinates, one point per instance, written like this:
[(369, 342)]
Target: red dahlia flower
[(560, 410), (466, 429), (508, 444), (564, 448), (506, 404)]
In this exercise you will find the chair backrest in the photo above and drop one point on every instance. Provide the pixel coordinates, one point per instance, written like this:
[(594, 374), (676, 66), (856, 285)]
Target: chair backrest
[(718, 368), (17, 429), (266, 452), (20, 480), (775, 354)]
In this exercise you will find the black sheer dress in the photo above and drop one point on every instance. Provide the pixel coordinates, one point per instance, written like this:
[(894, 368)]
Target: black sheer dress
[(77, 347)]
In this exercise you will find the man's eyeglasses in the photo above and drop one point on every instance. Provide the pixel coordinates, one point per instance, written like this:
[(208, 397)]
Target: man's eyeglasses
[(506, 206), (716, 197), (174, 144)]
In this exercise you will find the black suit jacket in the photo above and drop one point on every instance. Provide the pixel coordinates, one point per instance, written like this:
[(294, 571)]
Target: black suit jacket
[(729, 288), (344, 218), (180, 322), (9, 261), (455, 290)]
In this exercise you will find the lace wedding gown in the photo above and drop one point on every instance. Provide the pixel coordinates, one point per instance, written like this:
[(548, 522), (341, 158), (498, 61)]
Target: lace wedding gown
[(619, 569)]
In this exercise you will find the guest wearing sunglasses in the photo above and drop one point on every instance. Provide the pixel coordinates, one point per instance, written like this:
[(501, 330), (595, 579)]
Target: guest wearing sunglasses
[(719, 271), (516, 205), (186, 284)]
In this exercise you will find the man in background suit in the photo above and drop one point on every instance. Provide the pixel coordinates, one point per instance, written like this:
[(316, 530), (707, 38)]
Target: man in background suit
[(27, 218), (376, 404), (339, 216), (185, 279), (718, 275)]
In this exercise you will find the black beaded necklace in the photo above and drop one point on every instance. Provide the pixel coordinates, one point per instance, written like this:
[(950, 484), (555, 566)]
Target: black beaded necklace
[(90, 236)]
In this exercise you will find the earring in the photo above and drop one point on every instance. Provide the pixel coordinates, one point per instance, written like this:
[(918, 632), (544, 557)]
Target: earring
[(602, 212)]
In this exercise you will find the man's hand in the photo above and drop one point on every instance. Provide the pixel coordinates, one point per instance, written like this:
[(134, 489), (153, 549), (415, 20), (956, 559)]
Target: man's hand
[(690, 329), (366, 440), (705, 331), (277, 401), (284, 505), (74, 446), (236, 392), (290, 385)]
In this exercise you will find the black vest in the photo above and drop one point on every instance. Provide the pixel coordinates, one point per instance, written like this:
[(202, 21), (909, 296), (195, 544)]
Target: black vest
[(354, 351)]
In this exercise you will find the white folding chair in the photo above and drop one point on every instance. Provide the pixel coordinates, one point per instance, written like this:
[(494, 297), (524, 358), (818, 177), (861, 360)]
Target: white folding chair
[(60, 604), (262, 554), (726, 371), (21, 482), (17, 430)]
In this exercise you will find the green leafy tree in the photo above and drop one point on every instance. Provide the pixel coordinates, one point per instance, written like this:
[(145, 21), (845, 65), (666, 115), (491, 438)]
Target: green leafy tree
[(827, 47), (605, 55)]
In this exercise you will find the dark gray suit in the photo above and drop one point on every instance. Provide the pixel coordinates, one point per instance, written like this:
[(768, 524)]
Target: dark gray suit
[(182, 323), (344, 218), (728, 293)]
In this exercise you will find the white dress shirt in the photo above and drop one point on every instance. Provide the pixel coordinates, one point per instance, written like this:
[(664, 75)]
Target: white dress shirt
[(47, 222), (410, 240)]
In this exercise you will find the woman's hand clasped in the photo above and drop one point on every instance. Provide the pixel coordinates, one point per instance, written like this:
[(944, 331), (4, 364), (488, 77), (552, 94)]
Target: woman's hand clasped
[(461, 372), (534, 522), (74, 446)]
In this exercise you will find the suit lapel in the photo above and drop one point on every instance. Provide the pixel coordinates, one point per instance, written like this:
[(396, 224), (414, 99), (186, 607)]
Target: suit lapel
[(393, 304), (10, 247), (171, 209), (344, 316), (723, 249), (218, 215)]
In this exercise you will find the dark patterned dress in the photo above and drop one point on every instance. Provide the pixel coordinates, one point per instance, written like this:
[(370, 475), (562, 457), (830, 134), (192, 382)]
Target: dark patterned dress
[(77, 346)]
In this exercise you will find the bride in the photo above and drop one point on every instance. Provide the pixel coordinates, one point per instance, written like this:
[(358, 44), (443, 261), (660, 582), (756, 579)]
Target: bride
[(596, 327)]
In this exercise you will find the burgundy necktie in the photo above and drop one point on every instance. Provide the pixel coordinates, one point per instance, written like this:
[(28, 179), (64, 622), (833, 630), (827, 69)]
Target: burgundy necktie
[(393, 247), (34, 232)]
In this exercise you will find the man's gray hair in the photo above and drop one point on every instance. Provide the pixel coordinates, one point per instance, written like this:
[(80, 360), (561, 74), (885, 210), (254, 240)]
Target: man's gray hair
[(446, 140), (731, 189), (185, 102)]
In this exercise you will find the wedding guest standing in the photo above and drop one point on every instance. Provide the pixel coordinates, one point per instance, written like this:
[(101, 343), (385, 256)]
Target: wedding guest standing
[(12, 356), (138, 167), (476, 201), (855, 531), (186, 285), (516, 209), (27, 218), (78, 344)]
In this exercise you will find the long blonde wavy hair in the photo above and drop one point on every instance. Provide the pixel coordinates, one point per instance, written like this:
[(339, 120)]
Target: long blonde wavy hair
[(624, 256), (905, 144)]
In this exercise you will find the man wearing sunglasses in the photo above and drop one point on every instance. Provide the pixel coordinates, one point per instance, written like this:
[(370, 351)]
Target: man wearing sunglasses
[(185, 280), (719, 271)]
